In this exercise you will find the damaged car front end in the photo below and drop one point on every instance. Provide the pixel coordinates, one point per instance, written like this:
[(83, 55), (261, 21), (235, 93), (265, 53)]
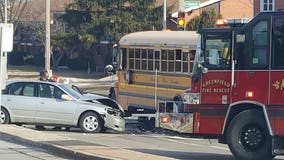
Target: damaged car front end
[(114, 120), (113, 114)]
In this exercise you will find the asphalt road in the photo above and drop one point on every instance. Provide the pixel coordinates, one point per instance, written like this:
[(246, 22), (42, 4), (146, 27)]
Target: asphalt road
[(169, 145)]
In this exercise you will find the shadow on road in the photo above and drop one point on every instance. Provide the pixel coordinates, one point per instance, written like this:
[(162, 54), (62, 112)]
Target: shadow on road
[(187, 155)]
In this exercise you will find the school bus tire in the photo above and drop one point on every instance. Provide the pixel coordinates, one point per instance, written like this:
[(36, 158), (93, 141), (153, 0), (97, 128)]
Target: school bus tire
[(112, 94), (248, 136)]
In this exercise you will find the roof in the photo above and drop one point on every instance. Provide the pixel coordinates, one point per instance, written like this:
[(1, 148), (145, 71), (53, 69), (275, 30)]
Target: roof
[(179, 39), (204, 4)]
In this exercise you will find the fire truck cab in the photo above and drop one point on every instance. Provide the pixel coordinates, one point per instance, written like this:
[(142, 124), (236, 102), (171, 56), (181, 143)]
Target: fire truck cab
[(237, 89)]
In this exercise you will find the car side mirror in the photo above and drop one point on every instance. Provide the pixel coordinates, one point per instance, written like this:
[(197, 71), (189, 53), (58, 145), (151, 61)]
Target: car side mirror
[(66, 97)]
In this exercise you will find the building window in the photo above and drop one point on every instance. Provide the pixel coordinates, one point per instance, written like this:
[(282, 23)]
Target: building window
[(267, 5)]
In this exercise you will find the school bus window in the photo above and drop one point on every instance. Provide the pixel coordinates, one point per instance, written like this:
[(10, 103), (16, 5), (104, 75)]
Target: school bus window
[(137, 59), (164, 59), (131, 58), (150, 65), (178, 54), (171, 55), (185, 62), (171, 59), (185, 67), (178, 66), (157, 60), (131, 53), (150, 60), (144, 53), (144, 59), (171, 67), (123, 58)]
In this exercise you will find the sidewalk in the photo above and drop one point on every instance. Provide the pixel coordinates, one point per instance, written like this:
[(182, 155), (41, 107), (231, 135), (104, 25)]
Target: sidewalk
[(68, 147)]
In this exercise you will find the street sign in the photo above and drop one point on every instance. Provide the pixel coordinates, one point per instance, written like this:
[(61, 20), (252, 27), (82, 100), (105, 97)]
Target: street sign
[(191, 3), (6, 37)]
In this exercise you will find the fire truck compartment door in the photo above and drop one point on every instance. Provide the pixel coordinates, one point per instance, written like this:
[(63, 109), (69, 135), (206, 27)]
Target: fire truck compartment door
[(180, 122)]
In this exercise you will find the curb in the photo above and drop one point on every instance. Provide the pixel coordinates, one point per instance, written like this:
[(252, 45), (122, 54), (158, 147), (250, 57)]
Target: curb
[(53, 149)]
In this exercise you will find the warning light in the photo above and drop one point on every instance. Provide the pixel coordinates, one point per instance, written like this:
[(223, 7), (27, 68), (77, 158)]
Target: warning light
[(181, 21), (221, 22), (165, 119), (249, 94)]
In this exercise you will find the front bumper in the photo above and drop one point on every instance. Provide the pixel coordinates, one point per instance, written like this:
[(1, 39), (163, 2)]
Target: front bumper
[(114, 122)]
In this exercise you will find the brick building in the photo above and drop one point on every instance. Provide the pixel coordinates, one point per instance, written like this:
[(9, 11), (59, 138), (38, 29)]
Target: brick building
[(225, 8), (267, 5)]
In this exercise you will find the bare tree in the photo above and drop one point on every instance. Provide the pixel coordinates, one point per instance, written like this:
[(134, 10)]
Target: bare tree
[(15, 10)]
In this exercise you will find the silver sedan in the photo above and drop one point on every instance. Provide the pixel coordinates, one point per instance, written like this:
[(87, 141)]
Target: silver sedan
[(56, 104)]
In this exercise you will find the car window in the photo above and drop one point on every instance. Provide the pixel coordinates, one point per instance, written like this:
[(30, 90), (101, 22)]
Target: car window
[(23, 89), (70, 91), (57, 93), (50, 91), (45, 91)]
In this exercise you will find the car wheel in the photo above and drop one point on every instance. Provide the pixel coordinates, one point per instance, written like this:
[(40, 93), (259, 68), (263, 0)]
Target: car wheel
[(248, 136), (5, 118), (91, 123)]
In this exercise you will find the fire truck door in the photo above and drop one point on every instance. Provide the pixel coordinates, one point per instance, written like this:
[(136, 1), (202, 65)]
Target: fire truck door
[(252, 74), (250, 85), (215, 87), (276, 85)]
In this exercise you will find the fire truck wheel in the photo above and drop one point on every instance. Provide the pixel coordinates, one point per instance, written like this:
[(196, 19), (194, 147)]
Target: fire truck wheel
[(248, 136)]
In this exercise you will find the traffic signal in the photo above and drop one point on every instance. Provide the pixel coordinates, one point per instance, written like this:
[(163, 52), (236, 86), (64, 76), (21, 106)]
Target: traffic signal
[(181, 21)]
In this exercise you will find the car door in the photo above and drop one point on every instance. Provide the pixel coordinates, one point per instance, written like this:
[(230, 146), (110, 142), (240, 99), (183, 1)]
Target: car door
[(51, 109), (20, 100)]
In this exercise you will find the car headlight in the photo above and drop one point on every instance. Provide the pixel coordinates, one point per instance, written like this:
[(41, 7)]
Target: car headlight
[(114, 112), (192, 98)]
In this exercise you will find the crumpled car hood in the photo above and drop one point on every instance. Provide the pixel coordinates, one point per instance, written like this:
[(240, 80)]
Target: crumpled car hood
[(94, 98)]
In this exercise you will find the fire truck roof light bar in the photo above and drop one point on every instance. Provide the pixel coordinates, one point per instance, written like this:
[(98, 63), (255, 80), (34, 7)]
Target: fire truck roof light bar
[(232, 22)]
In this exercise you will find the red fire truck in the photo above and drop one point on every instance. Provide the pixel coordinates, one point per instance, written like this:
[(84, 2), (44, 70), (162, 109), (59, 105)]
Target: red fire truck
[(237, 89)]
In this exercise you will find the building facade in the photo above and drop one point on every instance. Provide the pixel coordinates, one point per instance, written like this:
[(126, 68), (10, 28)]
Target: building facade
[(267, 5), (226, 9)]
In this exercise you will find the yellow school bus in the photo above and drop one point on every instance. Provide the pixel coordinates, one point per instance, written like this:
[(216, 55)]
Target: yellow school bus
[(152, 66)]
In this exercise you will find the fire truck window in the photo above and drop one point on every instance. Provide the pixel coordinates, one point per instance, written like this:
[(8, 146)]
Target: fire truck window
[(214, 57), (278, 43), (217, 49), (259, 55)]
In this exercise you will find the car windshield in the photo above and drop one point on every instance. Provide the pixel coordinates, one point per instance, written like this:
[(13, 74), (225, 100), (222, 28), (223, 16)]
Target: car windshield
[(71, 91)]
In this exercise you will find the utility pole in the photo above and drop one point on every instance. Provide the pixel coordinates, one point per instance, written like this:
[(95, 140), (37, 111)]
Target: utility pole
[(47, 36), (165, 15), (6, 45)]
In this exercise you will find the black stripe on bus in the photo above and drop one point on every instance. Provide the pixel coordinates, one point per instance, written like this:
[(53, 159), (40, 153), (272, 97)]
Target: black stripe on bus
[(146, 96), (161, 85), (171, 74)]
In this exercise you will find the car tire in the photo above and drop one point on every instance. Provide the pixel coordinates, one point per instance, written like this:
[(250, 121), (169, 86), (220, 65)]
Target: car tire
[(91, 122), (5, 117), (248, 136)]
